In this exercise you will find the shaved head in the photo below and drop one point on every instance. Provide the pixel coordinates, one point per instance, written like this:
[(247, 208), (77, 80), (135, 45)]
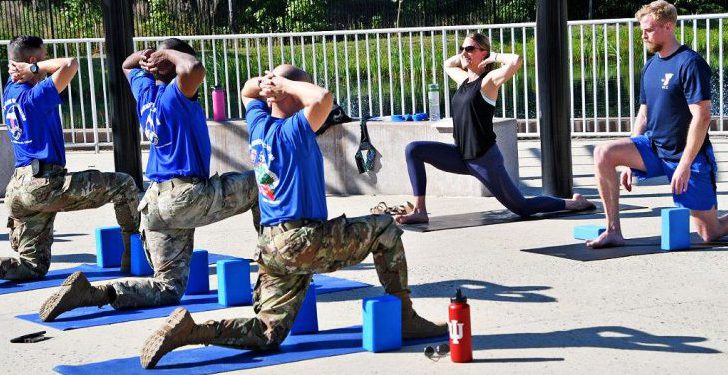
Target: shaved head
[(23, 47), (289, 71)]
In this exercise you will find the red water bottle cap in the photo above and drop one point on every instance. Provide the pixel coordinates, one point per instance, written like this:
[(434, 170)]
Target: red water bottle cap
[(459, 297)]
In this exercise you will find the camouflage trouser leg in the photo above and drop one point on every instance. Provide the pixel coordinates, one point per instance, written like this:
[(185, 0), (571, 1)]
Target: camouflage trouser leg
[(168, 222), (33, 202), (32, 239), (93, 189), (288, 260), (170, 259), (277, 301)]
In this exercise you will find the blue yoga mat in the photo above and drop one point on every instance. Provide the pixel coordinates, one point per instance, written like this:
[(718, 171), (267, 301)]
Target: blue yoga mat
[(213, 359), (93, 316), (93, 273)]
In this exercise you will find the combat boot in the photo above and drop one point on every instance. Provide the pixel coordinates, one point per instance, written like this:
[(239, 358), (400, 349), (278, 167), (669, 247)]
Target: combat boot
[(415, 326), (75, 292), (126, 255), (178, 330)]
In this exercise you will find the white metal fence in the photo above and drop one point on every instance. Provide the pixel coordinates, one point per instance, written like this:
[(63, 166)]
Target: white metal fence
[(386, 71)]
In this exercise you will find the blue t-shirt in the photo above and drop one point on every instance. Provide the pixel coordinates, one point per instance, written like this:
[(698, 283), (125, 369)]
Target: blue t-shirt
[(288, 166), (668, 86), (34, 124), (175, 127)]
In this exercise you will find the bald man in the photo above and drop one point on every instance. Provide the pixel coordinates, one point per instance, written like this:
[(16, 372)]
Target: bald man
[(284, 110)]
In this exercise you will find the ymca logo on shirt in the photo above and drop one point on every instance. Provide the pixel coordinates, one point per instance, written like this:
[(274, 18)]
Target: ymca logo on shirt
[(261, 156), (665, 81)]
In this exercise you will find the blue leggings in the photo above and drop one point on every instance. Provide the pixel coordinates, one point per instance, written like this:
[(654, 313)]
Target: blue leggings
[(488, 169)]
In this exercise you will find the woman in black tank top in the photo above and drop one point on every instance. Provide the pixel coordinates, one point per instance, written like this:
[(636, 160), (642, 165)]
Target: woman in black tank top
[(475, 151)]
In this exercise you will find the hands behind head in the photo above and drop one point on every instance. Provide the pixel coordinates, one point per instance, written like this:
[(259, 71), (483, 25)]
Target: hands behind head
[(151, 60), (20, 71), (271, 87), (488, 60)]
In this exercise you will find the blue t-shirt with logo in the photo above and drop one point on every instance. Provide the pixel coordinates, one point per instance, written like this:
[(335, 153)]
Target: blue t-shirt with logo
[(668, 86), (289, 167), (34, 123), (175, 127)]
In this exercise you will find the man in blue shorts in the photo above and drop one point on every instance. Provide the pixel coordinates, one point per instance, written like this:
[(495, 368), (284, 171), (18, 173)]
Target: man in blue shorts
[(670, 134), (182, 195)]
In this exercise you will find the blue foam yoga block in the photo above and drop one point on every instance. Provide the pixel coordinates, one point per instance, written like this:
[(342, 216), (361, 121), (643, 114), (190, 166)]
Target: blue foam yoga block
[(307, 318), (199, 280), (675, 229), (420, 116), (233, 282), (109, 247), (139, 263), (588, 232), (382, 327)]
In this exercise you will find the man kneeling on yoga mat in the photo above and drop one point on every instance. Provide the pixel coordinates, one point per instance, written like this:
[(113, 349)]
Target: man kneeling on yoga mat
[(475, 151), (296, 240)]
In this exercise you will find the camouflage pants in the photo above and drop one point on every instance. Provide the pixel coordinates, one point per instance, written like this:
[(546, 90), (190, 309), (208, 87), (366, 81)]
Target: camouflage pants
[(170, 213), (288, 259), (34, 201)]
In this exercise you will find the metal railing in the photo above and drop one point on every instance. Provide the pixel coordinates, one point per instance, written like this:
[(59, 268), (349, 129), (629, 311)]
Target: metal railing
[(386, 71)]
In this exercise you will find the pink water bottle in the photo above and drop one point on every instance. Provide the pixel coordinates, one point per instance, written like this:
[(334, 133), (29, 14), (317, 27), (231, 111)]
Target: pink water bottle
[(218, 104)]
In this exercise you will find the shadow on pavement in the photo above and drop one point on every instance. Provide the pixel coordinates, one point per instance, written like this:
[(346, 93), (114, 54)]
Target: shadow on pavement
[(473, 289), (612, 337)]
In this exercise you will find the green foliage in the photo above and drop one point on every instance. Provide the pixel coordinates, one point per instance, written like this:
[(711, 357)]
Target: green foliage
[(83, 17), (306, 15), (523, 10), (160, 17)]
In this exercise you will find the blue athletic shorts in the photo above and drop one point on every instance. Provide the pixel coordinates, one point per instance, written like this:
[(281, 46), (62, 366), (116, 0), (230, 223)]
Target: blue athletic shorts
[(701, 193)]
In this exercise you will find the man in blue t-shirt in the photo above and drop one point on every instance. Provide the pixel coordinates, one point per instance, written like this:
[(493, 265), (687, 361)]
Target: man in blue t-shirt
[(284, 110), (182, 195), (670, 134), (41, 186)]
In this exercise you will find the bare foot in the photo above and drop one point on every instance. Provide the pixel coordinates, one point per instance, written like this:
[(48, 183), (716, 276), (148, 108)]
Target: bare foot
[(606, 239), (415, 217), (579, 203)]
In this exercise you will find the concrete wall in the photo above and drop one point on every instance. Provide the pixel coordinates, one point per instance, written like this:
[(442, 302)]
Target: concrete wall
[(7, 160), (340, 143)]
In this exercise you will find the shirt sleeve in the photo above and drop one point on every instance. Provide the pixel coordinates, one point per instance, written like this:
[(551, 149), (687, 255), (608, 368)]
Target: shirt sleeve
[(298, 130), (256, 112), (44, 95), (141, 82), (696, 81)]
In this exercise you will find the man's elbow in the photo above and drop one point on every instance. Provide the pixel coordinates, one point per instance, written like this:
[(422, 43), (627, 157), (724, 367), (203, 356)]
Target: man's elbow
[(198, 70), (326, 100), (705, 118), (72, 64)]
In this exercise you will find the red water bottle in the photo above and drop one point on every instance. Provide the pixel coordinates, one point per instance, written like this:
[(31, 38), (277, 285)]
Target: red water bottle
[(461, 341)]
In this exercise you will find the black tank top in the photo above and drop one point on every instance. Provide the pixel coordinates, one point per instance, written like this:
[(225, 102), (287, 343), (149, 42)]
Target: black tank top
[(472, 119)]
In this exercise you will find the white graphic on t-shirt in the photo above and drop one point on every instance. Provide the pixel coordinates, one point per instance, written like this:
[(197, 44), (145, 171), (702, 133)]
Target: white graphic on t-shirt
[(13, 115), (261, 157), (666, 80), (151, 126)]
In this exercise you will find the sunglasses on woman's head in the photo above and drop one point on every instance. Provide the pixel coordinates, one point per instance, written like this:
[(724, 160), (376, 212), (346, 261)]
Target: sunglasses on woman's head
[(469, 49)]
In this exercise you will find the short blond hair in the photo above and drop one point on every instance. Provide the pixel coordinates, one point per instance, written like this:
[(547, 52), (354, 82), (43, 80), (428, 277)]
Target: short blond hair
[(662, 11)]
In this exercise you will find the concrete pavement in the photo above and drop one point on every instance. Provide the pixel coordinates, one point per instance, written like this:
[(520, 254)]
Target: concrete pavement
[(531, 313)]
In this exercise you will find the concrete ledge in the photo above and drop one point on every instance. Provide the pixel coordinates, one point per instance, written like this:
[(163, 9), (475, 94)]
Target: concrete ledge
[(7, 159), (340, 143)]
